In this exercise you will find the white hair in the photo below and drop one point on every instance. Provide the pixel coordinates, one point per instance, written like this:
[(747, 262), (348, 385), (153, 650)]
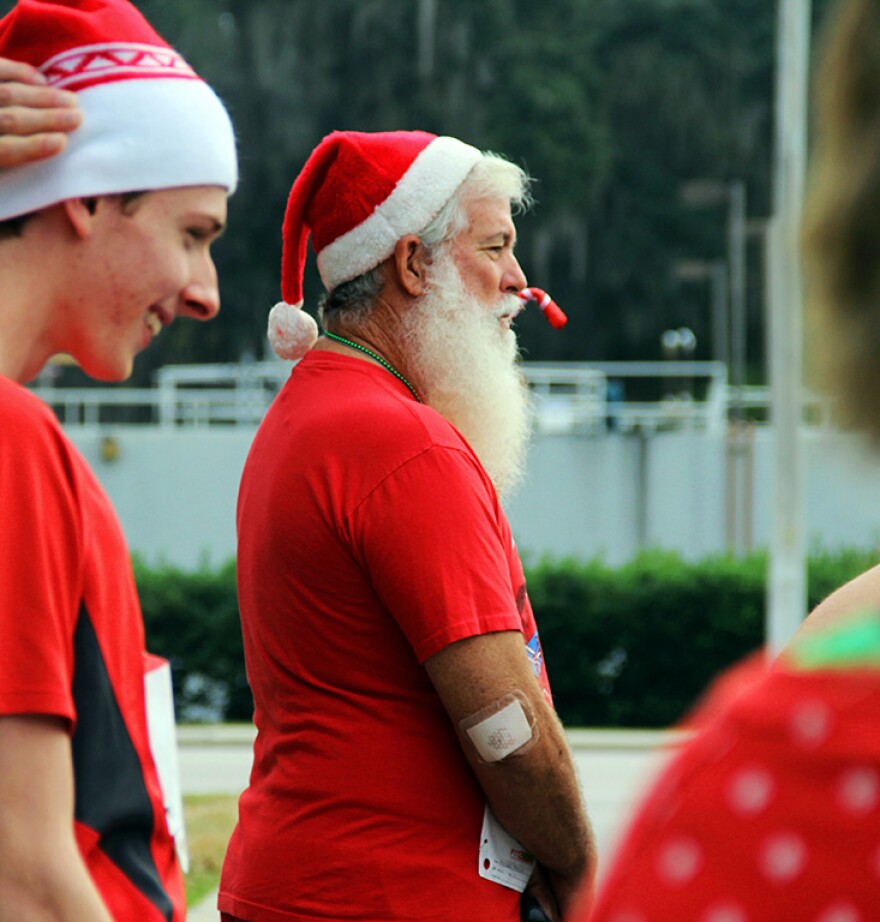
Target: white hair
[(492, 177)]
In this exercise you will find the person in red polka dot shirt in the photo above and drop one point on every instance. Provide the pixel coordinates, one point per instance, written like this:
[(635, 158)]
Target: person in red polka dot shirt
[(771, 811)]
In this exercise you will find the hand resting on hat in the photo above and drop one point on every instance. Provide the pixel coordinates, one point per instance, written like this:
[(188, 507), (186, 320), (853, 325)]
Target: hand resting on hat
[(34, 119)]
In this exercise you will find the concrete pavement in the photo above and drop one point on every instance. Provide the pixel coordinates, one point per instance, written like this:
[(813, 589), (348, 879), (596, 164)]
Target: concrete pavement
[(614, 767)]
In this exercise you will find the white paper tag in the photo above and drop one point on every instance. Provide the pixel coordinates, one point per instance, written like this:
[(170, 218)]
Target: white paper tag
[(163, 743), (502, 859)]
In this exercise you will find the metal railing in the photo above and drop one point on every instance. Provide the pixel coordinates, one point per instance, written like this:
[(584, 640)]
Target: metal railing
[(568, 397)]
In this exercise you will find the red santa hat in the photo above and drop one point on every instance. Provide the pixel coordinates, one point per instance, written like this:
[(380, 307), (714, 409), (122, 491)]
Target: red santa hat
[(357, 195), (149, 121)]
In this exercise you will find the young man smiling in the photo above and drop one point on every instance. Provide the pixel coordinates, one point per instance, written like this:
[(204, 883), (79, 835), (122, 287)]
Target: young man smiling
[(100, 247), (122, 269)]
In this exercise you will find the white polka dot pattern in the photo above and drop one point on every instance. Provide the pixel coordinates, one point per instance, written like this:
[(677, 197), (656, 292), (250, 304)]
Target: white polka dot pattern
[(783, 857), (680, 861), (725, 912), (840, 912), (859, 790), (811, 723), (751, 790)]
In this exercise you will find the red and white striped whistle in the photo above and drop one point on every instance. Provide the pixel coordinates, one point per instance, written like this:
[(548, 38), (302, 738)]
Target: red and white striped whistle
[(552, 311)]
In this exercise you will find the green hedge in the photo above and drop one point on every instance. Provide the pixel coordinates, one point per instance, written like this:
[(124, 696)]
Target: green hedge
[(630, 646), (192, 619)]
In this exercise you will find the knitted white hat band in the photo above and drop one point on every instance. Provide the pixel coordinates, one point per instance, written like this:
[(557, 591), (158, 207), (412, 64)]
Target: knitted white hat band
[(136, 135), (149, 121)]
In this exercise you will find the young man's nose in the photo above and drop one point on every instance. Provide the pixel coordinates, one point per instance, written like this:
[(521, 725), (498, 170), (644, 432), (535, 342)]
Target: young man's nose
[(201, 297)]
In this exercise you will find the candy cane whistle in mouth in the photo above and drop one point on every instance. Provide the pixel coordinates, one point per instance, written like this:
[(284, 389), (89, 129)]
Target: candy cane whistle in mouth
[(552, 311)]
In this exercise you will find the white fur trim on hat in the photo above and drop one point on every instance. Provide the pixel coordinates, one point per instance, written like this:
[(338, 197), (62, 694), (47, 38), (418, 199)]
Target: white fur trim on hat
[(136, 135), (292, 332), (422, 191)]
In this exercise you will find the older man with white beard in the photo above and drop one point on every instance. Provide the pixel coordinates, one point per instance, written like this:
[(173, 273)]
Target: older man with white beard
[(408, 762)]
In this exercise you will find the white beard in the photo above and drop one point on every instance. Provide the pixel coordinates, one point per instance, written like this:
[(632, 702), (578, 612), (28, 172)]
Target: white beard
[(465, 362)]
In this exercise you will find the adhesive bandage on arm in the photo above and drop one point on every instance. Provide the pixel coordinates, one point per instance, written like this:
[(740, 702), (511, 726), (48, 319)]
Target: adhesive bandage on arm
[(503, 728)]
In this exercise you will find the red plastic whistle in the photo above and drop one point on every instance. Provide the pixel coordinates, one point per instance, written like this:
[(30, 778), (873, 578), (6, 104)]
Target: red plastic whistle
[(552, 311)]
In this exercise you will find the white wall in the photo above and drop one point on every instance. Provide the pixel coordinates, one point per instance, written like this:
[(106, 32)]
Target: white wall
[(175, 491)]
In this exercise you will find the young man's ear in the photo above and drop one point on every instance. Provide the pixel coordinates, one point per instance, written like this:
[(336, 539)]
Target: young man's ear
[(410, 262), (81, 213)]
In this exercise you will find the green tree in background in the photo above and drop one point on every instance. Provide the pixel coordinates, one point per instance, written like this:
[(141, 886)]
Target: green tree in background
[(611, 105)]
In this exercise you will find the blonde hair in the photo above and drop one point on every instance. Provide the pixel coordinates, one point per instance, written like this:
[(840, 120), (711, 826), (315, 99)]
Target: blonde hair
[(841, 229)]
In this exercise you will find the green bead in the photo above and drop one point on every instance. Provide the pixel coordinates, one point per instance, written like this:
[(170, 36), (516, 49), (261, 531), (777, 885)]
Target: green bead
[(386, 365)]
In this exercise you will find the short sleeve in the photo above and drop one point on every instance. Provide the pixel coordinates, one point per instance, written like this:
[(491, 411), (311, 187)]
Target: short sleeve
[(436, 545), (40, 573)]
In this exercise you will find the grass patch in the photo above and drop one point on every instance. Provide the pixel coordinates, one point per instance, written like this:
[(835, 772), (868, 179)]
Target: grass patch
[(210, 819)]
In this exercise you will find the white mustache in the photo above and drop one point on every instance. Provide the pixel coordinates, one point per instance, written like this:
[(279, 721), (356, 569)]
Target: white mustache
[(510, 306)]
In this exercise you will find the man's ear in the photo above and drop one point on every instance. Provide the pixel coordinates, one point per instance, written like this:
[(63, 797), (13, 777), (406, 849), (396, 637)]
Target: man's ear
[(81, 213), (410, 262)]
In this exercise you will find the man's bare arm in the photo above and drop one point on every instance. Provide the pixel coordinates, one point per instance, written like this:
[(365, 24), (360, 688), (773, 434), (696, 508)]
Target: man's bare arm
[(35, 119), (533, 792), (42, 875)]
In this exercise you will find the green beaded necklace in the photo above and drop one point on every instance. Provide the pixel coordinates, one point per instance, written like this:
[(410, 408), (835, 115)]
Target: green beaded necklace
[(373, 355)]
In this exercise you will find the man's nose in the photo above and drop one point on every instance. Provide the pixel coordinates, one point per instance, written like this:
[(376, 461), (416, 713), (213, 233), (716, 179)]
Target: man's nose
[(514, 279)]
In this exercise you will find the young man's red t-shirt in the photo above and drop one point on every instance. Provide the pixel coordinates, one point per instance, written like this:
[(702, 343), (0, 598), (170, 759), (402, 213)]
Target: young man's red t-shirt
[(73, 647)]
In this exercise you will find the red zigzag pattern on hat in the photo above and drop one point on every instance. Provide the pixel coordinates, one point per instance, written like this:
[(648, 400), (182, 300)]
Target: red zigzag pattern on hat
[(93, 64)]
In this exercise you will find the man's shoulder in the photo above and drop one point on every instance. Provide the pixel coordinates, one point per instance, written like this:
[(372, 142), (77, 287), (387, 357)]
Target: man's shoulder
[(412, 440), (402, 426), (358, 408)]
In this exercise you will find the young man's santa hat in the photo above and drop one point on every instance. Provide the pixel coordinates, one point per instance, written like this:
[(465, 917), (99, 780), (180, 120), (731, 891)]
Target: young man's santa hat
[(149, 121), (357, 195)]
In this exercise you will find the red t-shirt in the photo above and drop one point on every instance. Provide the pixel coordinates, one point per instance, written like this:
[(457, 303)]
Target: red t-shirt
[(73, 647), (370, 538)]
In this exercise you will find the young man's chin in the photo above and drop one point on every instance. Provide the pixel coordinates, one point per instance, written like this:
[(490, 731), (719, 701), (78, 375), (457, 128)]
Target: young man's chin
[(120, 375), (112, 372)]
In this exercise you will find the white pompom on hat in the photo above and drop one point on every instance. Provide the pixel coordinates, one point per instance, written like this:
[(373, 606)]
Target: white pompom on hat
[(149, 121), (357, 195)]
